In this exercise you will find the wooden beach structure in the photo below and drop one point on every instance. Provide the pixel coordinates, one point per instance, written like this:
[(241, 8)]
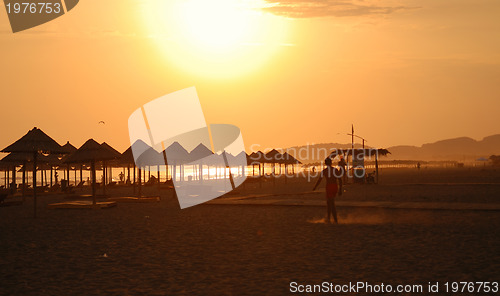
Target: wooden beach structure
[(35, 142), (91, 152)]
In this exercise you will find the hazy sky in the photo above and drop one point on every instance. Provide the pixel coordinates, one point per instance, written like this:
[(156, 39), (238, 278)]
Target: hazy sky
[(287, 73)]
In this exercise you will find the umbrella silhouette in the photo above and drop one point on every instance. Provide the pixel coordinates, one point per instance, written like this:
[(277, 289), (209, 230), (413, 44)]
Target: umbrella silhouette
[(116, 155), (196, 157), (33, 142), (129, 157), (176, 155), (91, 152)]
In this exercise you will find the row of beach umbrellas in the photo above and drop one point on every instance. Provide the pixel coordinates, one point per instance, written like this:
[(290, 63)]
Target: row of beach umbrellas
[(38, 150)]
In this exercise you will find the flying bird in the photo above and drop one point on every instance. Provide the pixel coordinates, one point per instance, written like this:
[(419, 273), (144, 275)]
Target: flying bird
[(102, 122)]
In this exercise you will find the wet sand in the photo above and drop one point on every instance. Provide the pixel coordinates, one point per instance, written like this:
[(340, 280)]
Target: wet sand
[(158, 249)]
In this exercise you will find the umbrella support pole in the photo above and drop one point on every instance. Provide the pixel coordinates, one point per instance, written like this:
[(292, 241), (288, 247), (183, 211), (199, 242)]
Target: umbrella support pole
[(104, 176), (24, 181), (128, 173), (159, 180), (13, 179), (93, 175), (35, 154), (135, 179), (140, 181)]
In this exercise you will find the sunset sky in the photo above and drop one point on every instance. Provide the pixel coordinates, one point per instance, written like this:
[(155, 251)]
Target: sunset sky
[(286, 72)]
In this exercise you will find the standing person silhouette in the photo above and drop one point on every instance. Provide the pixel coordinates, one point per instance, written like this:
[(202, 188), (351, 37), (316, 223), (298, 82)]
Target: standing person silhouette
[(333, 186)]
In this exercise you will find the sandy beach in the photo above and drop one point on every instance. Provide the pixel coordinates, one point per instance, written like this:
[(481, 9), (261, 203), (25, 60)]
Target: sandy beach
[(230, 249), (209, 105)]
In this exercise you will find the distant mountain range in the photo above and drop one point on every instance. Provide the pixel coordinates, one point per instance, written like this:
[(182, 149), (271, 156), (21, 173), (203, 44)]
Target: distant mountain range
[(460, 149)]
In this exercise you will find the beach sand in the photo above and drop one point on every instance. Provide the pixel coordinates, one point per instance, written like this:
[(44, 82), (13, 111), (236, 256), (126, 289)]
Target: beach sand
[(158, 249)]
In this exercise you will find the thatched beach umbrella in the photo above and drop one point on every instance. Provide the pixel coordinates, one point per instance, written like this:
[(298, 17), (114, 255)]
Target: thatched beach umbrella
[(25, 160), (256, 158), (273, 157), (69, 149), (240, 156), (130, 155), (35, 141), (117, 155), (197, 154), (91, 152), (149, 158), (176, 155), (127, 159), (290, 160)]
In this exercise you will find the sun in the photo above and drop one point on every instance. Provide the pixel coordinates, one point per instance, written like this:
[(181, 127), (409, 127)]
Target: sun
[(219, 25), (216, 38)]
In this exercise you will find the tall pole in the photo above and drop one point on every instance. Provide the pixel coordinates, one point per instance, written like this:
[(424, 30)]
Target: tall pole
[(135, 179), (140, 189), (128, 173), (158, 169), (35, 154), (13, 178), (24, 180), (93, 175), (104, 175)]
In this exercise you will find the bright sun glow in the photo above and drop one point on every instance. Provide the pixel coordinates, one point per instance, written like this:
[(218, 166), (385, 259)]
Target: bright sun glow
[(215, 25), (217, 38)]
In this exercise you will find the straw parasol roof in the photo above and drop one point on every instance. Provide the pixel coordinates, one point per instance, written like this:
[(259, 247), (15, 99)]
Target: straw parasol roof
[(242, 155), (176, 154), (256, 158), (150, 157), (23, 157), (69, 148), (35, 141), (273, 156), (127, 157), (90, 151), (288, 159), (201, 151), (113, 150), (18, 158)]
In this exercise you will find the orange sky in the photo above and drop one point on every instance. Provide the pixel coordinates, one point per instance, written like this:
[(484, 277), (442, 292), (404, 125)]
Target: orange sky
[(404, 72)]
